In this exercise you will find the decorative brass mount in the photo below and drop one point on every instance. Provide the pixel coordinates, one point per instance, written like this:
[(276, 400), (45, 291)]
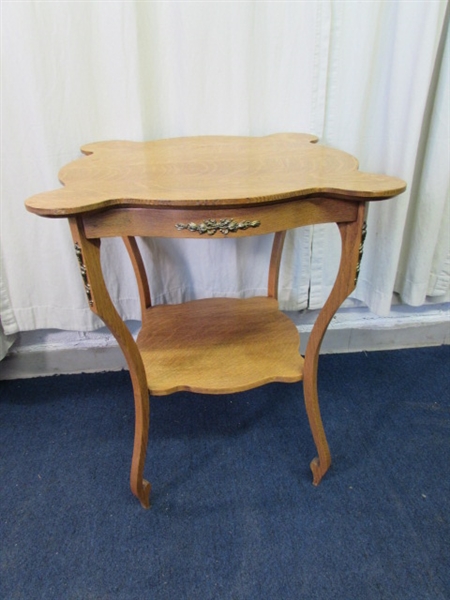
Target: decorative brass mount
[(361, 250), (211, 226), (83, 271)]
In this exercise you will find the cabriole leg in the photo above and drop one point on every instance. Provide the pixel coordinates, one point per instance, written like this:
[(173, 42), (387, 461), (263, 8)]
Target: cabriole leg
[(275, 261), (345, 283), (88, 254)]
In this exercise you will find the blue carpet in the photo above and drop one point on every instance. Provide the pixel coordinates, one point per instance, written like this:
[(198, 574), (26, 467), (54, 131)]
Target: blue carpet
[(234, 515)]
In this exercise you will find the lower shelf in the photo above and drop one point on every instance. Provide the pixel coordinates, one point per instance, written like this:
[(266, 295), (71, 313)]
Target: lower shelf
[(218, 345)]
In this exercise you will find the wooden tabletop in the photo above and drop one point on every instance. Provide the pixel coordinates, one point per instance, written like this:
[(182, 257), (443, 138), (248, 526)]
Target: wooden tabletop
[(221, 171)]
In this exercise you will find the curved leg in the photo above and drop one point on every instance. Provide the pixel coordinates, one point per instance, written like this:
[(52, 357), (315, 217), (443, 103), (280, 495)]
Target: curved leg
[(88, 253), (139, 271), (275, 261), (343, 286)]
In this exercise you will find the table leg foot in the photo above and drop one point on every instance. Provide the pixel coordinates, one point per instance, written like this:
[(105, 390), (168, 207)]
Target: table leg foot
[(319, 468), (142, 491)]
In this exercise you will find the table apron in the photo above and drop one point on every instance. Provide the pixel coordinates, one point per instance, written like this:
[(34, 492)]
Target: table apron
[(243, 221)]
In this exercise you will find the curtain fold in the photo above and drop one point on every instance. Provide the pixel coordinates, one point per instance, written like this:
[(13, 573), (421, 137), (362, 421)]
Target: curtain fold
[(358, 75), (424, 266), (376, 104), (7, 322)]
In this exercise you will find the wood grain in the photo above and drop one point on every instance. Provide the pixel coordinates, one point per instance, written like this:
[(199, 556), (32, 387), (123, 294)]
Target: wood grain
[(208, 171), (140, 273), (160, 222), (104, 308), (343, 286), (218, 345), (275, 262)]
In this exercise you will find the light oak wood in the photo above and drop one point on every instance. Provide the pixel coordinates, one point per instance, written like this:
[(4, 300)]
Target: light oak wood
[(208, 171), (101, 305), (343, 286), (162, 222), (275, 262), (139, 271), (218, 345)]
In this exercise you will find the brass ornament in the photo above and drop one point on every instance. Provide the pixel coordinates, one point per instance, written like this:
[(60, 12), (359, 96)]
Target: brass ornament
[(361, 250), (212, 226), (83, 271)]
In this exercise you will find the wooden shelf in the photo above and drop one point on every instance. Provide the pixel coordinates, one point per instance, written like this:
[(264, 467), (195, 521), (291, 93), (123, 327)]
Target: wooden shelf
[(218, 345)]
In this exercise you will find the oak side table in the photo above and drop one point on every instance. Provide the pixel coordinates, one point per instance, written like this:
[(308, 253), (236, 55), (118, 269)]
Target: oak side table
[(199, 187)]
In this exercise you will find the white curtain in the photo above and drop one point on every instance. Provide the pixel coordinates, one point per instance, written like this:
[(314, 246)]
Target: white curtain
[(370, 78), (380, 78)]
